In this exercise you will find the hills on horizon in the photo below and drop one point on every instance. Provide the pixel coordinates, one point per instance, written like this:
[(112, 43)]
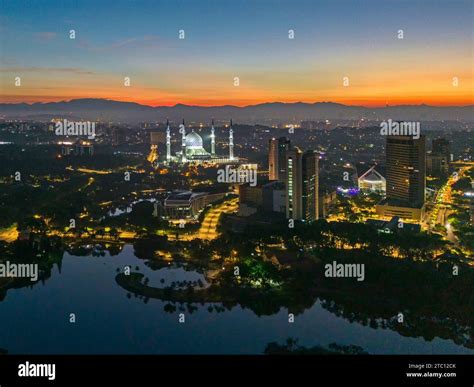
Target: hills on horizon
[(93, 109)]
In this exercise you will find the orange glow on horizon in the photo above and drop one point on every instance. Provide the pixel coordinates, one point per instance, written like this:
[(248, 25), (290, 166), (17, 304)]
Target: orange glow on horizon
[(242, 102), (372, 87)]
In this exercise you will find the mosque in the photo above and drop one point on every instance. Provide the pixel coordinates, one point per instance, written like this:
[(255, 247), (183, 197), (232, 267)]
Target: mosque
[(192, 149)]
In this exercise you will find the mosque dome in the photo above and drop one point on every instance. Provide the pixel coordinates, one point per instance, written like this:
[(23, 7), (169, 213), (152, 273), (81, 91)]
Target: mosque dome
[(193, 140)]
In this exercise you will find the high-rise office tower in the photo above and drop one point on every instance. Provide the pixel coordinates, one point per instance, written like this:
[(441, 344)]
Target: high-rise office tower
[(302, 185), (284, 145), (293, 184), (273, 159), (310, 177), (277, 149), (405, 170)]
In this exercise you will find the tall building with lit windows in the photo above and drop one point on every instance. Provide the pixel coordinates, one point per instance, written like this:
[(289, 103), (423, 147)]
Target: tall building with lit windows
[(310, 177), (277, 149), (405, 178), (273, 159), (302, 185), (293, 186), (405, 165)]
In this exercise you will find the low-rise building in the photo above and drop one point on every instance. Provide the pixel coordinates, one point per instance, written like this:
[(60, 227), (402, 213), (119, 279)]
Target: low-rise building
[(393, 225), (187, 204), (372, 181), (390, 208)]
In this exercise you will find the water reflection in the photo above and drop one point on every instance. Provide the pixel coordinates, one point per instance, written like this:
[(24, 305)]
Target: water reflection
[(122, 318)]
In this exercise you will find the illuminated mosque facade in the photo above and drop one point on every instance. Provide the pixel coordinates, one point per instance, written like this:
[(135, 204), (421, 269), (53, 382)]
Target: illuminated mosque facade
[(192, 149)]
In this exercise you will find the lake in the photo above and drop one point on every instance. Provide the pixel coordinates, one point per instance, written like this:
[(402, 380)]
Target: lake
[(36, 320)]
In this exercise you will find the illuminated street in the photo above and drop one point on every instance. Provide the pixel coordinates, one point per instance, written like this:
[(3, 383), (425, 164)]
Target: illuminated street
[(208, 230), (443, 200), (9, 234)]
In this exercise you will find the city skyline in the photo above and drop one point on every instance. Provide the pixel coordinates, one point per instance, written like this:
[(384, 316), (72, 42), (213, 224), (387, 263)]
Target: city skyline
[(236, 177), (251, 43)]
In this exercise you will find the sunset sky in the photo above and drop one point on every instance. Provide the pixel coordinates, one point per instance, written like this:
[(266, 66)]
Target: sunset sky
[(246, 39)]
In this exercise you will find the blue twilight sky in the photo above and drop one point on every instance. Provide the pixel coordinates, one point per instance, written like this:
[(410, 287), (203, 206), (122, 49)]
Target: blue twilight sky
[(247, 39)]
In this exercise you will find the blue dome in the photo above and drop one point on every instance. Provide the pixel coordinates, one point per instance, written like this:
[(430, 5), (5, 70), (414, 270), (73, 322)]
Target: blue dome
[(193, 140)]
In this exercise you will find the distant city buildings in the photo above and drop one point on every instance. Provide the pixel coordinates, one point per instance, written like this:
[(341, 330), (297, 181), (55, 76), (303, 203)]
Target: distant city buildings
[(405, 178), (319, 125), (437, 161), (441, 146), (119, 136), (157, 138), (77, 148)]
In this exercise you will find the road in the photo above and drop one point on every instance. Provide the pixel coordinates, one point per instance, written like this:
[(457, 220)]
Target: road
[(443, 200), (450, 235), (9, 234), (208, 230), (442, 206)]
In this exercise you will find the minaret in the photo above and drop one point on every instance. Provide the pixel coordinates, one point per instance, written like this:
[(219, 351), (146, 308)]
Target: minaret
[(231, 142), (213, 140), (168, 141), (183, 143)]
